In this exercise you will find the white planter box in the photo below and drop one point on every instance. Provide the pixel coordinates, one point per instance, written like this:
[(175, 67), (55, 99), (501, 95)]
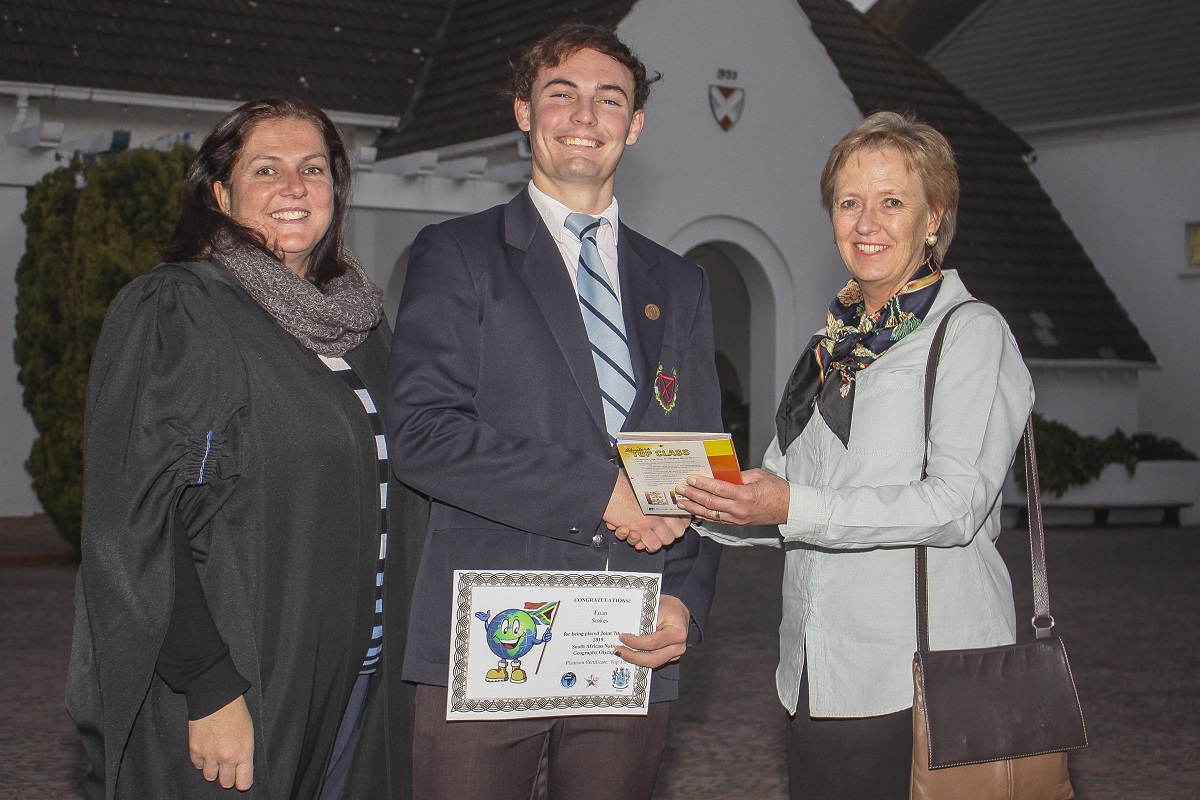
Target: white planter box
[(1155, 484)]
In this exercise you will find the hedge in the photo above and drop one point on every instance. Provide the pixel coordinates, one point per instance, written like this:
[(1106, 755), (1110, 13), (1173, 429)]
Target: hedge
[(1068, 458), (90, 229)]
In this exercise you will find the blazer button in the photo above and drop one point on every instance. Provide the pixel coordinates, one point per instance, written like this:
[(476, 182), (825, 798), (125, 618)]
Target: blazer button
[(598, 540), (573, 531)]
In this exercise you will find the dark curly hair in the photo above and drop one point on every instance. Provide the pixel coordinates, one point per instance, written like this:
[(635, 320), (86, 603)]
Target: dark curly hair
[(567, 40), (201, 219)]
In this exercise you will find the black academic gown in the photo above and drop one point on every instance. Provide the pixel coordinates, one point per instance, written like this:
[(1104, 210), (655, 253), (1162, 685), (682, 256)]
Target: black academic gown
[(204, 413)]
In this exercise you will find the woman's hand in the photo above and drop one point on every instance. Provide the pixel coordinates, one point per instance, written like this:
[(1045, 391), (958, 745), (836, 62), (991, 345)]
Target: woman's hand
[(762, 499), (222, 746)]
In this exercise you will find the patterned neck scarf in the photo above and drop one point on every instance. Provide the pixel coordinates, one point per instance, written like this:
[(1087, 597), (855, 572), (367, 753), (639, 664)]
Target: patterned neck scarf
[(852, 341), (331, 322)]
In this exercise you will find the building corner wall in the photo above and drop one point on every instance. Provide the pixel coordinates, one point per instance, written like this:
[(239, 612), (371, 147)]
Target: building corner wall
[(16, 426)]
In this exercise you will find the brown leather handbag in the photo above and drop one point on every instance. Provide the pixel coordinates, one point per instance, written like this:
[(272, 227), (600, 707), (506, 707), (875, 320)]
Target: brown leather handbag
[(994, 723)]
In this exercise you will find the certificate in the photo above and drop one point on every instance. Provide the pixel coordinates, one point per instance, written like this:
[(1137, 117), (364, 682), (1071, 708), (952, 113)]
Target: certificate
[(540, 644)]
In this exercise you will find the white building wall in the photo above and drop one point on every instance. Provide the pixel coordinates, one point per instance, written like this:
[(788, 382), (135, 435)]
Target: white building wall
[(1093, 400), (1128, 192), (16, 426), (82, 119), (688, 182)]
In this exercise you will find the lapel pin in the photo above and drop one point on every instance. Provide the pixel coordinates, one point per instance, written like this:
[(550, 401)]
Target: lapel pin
[(652, 311)]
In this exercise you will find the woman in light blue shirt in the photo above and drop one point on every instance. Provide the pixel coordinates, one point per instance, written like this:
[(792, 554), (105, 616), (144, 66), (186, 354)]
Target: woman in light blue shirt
[(842, 479)]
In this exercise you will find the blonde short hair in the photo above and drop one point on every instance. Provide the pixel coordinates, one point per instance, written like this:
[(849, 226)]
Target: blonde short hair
[(926, 153)]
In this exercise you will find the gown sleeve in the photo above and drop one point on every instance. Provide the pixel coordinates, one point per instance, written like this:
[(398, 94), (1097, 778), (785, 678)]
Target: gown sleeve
[(194, 659), (166, 396)]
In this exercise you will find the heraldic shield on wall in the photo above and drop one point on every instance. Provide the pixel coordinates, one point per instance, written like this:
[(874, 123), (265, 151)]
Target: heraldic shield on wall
[(727, 103)]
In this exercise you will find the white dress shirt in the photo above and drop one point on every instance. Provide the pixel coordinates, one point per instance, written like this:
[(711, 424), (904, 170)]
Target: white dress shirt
[(555, 214), (856, 513)]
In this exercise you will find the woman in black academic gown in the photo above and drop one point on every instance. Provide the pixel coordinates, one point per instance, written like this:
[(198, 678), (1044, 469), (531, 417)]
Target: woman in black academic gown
[(243, 593)]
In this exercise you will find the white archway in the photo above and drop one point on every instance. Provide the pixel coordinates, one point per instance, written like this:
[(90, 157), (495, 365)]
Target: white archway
[(770, 290), (731, 333)]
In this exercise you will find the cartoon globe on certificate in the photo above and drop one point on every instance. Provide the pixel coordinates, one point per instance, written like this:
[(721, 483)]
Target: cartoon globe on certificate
[(511, 634)]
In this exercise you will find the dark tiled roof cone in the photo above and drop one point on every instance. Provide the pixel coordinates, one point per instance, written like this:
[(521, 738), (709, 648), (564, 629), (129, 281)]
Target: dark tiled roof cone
[(920, 24), (1040, 63), (465, 97), (345, 55), (1012, 246)]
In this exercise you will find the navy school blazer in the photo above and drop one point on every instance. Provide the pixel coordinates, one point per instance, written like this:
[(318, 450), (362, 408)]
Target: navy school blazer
[(494, 411)]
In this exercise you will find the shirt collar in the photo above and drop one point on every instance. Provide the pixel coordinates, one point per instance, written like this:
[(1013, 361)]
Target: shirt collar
[(554, 213)]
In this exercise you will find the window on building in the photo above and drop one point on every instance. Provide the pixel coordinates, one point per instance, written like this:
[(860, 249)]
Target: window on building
[(1193, 243)]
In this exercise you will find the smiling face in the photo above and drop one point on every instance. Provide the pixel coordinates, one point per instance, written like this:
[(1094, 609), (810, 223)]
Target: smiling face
[(511, 634), (880, 220), (282, 186), (580, 118)]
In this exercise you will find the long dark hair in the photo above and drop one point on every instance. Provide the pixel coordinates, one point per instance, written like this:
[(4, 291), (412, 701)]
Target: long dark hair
[(201, 219)]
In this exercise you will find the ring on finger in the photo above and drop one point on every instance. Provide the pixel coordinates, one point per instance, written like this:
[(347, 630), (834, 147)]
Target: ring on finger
[(716, 516)]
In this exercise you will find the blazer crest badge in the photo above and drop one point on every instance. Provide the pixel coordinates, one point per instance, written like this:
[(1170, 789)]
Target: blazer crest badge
[(665, 388), (727, 104)]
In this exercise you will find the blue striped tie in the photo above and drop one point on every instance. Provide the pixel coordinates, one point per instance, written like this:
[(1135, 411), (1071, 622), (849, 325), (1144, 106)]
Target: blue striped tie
[(605, 325)]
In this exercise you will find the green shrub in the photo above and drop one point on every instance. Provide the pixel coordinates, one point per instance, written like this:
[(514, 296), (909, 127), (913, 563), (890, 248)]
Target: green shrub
[(88, 231), (1067, 458)]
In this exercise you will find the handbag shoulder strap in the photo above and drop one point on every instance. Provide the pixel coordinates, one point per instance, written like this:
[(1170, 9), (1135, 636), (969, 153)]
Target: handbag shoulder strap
[(931, 367), (1042, 621)]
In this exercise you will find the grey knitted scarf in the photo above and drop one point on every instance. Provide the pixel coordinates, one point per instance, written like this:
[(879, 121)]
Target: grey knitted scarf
[(331, 322)]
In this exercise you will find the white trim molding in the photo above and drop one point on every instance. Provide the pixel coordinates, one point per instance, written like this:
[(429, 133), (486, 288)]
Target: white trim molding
[(89, 94)]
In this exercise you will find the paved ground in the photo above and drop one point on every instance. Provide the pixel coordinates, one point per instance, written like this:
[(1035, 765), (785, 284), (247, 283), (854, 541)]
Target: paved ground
[(1126, 600), (39, 749)]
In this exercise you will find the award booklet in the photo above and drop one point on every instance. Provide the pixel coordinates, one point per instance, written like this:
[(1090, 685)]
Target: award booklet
[(658, 462)]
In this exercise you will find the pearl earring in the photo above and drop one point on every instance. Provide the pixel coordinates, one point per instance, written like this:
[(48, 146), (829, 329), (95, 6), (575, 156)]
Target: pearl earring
[(930, 239)]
